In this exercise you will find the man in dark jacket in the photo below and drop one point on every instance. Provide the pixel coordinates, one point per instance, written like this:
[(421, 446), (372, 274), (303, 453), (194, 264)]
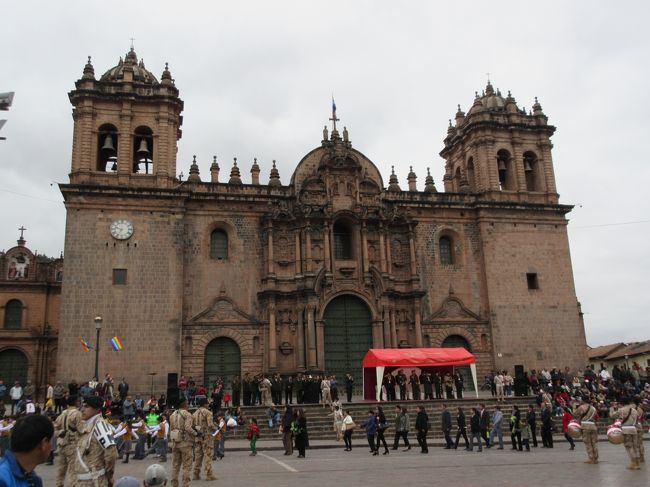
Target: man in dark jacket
[(446, 427), (484, 424), (422, 427), (475, 429), (531, 418), (547, 427)]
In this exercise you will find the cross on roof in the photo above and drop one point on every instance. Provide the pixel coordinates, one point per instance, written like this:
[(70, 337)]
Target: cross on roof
[(132, 39), (334, 119), (22, 229)]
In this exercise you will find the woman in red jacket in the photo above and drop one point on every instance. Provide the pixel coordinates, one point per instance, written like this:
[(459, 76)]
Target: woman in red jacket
[(566, 418)]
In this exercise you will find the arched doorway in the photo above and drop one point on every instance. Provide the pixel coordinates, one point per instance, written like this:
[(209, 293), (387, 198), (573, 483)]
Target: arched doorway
[(348, 336), (222, 360), (13, 367), (458, 341)]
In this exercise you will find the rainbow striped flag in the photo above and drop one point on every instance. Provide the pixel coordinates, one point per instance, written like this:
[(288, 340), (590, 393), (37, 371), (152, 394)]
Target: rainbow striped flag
[(85, 345), (116, 344)]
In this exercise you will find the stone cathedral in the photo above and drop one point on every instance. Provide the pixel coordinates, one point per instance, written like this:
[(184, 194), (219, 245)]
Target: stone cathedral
[(219, 274)]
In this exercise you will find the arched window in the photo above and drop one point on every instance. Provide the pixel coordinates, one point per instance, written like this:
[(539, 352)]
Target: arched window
[(457, 178), (219, 245), (107, 141), (506, 180), (342, 241), (530, 170), (446, 251), (14, 315), (143, 150)]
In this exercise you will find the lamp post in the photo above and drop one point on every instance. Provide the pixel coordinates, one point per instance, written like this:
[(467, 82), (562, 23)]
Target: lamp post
[(98, 328), (152, 374)]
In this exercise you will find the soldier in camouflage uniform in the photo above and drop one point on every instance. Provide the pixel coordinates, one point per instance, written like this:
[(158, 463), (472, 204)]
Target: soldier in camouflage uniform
[(628, 417), (204, 444), (67, 427), (640, 427), (181, 436), (586, 413), (96, 452)]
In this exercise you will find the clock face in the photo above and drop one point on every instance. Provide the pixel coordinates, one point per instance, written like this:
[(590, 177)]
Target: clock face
[(121, 229)]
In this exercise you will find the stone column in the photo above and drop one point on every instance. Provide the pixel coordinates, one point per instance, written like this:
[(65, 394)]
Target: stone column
[(517, 166), (377, 334), (387, 342), (382, 249), (326, 242), (546, 159), (269, 230), (301, 341), (393, 329), (414, 270), (126, 141), (418, 325), (273, 363), (389, 263), (308, 249), (364, 246), (320, 344), (298, 257), (311, 338)]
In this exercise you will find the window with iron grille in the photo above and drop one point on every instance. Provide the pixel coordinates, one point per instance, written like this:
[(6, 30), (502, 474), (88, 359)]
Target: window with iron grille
[(342, 242), (219, 245), (446, 254), (14, 315)]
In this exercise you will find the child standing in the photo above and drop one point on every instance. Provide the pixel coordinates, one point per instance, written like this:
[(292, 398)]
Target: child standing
[(253, 434)]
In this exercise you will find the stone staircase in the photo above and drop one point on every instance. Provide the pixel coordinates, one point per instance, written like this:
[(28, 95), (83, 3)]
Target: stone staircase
[(320, 424)]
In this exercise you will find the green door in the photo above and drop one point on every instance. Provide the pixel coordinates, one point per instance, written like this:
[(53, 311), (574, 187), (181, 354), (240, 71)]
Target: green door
[(457, 341), (222, 360), (13, 367), (348, 336)]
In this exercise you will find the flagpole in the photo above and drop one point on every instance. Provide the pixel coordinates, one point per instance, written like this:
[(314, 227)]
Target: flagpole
[(98, 327)]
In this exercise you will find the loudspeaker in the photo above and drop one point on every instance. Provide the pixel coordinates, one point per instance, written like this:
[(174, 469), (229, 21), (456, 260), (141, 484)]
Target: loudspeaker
[(173, 395), (519, 371), (172, 380)]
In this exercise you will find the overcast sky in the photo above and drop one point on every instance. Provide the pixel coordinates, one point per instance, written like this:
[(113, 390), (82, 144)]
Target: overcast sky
[(257, 80)]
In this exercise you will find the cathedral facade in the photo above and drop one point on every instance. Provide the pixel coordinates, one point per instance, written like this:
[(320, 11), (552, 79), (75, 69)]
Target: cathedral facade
[(217, 274)]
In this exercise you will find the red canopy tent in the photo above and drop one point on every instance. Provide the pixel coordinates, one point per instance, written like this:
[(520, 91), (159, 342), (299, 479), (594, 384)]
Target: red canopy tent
[(380, 358)]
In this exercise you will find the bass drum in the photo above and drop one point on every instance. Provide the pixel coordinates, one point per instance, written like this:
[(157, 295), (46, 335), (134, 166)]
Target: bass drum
[(615, 434), (574, 429)]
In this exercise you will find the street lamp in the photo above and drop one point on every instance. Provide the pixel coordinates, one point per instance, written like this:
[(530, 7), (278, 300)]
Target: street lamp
[(98, 327)]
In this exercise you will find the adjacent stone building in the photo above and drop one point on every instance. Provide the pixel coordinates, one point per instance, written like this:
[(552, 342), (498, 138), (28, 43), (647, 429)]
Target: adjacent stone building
[(216, 275), (30, 297)]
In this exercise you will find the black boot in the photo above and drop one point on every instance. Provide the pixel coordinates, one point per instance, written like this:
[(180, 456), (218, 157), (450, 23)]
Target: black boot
[(126, 460)]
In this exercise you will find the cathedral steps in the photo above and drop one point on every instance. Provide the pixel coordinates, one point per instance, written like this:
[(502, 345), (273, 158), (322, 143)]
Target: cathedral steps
[(320, 423)]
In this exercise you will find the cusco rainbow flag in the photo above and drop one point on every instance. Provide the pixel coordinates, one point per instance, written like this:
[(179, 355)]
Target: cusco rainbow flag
[(116, 344), (85, 345)]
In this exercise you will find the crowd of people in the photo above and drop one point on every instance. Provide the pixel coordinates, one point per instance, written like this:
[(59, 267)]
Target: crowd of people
[(122, 426)]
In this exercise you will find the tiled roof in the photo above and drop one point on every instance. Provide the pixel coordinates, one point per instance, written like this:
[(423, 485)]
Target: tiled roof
[(604, 350), (632, 349)]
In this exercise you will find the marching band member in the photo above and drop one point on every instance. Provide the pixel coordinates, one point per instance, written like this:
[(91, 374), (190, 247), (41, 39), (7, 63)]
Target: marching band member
[(586, 414), (96, 451)]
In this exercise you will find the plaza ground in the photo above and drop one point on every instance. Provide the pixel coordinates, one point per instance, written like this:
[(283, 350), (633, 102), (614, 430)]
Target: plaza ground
[(540, 468)]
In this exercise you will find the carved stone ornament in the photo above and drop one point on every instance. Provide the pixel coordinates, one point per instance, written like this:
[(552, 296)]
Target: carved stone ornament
[(222, 310)]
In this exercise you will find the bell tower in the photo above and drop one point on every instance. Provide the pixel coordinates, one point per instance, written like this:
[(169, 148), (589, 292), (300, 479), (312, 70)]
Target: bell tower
[(126, 126), (500, 150)]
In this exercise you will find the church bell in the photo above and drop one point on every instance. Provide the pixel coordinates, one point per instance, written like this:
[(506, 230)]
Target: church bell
[(108, 146), (527, 166), (502, 165), (143, 150)]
